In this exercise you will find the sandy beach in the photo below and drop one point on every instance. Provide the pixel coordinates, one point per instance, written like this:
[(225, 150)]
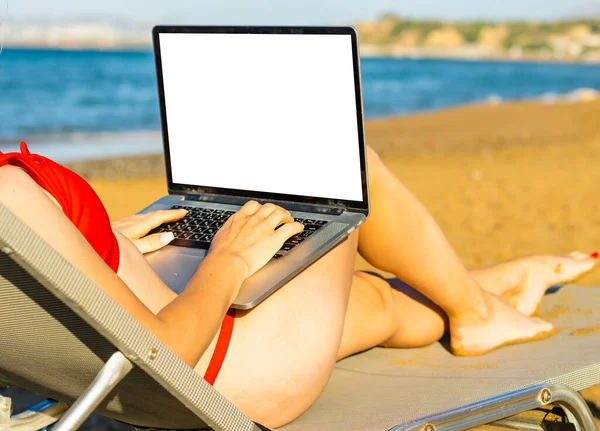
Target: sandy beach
[(501, 180)]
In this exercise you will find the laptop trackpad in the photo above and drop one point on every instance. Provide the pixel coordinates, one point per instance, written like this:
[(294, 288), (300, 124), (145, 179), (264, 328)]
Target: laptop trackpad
[(176, 265)]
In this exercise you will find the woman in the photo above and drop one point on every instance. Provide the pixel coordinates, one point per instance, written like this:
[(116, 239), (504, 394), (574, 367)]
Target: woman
[(281, 353)]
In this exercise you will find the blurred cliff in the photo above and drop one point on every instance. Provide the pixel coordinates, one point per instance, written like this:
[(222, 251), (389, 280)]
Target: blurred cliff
[(388, 36), (569, 40)]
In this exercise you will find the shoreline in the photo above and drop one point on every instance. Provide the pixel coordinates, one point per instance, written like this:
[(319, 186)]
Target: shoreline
[(76, 137), (81, 147)]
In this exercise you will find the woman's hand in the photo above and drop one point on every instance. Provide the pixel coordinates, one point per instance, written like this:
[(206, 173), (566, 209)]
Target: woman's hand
[(137, 226), (250, 236)]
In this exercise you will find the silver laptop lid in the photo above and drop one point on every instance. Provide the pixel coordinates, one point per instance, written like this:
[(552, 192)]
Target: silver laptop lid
[(263, 112)]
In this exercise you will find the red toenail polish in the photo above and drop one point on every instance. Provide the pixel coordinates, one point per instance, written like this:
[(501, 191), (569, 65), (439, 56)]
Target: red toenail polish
[(595, 255)]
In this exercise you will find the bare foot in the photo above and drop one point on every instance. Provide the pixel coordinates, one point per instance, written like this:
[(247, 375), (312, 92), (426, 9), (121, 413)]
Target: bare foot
[(523, 282), (503, 325)]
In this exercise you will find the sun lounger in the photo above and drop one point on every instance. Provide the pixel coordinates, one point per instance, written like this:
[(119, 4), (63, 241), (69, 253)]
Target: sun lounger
[(62, 337)]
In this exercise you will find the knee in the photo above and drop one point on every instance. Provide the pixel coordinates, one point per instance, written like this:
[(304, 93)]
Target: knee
[(418, 322), (382, 300), (419, 330), (375, 168), (372, 156), (380, 288), (422, 336)]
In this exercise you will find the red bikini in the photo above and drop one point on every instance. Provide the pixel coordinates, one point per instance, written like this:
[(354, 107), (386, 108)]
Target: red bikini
[(83, 207), (78, 200)]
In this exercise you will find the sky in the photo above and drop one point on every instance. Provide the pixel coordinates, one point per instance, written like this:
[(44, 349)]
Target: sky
[(294, 12)]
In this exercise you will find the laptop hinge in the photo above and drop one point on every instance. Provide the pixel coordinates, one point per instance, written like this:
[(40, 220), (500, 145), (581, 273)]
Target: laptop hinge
[(290, 206)]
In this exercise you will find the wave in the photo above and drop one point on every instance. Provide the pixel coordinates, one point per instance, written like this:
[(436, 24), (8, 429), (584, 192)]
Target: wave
[(92, 146), (574, 96)]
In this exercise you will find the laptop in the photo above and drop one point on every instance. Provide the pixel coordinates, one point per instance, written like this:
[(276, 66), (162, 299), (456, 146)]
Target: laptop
[(272, 114)]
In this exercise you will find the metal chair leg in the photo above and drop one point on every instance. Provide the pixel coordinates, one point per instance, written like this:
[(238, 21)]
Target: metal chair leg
[(574, 404), (113, 372)]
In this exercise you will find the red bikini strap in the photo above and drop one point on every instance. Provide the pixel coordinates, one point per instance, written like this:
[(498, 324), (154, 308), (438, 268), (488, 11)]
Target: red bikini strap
[(221, 349), (24, 149)]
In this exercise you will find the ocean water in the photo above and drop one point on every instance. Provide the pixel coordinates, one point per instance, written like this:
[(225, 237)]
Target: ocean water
[(48, 93)]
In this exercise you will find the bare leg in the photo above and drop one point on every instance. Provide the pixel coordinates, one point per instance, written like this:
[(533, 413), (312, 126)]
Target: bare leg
[(388, 313), (391, 313), (523, 281), (401, 237)]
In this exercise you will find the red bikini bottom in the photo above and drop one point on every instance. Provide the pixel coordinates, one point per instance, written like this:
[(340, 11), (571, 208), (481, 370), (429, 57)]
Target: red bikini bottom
[(83, 207)]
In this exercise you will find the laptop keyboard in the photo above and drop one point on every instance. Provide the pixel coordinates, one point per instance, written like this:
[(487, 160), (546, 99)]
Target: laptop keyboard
[(199, 226)]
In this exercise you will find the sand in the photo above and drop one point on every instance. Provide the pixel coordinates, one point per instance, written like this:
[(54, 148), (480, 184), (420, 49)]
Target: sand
[(502, 181), (585, 331), (559, 310)]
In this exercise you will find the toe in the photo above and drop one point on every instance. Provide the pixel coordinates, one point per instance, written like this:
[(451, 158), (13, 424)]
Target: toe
[(571, 269), (578, 255), (542, 325)]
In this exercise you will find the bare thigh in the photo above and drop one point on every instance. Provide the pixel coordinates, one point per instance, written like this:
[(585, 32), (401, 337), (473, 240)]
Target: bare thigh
[(388, 313), (282, 352)]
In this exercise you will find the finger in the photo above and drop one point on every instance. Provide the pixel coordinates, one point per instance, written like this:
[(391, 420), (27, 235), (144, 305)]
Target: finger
[(140, 225), (277, 207), (277, 218), (153, 242), (265, 211), (250, 208), (156, 218), (288, 230), (259, 216)]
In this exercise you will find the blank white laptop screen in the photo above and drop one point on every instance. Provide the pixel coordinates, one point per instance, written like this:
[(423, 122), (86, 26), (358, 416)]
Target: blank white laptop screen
[(269, 113)]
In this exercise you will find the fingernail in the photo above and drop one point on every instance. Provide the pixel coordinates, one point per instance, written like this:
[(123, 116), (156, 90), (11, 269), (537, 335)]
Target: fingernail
[(595, 255), (167, 237)]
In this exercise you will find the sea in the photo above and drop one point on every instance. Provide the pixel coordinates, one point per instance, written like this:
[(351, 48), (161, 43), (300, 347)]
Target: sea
[(98, 103)]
